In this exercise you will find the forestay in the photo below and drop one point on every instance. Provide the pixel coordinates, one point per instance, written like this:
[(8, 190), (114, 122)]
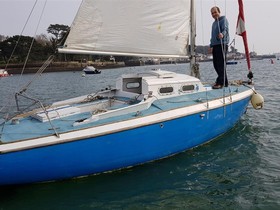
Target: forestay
[(150, 28)]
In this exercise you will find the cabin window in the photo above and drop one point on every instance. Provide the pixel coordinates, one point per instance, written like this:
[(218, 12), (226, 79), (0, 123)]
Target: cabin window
[(132, 85), (187, 88), (166, 90)]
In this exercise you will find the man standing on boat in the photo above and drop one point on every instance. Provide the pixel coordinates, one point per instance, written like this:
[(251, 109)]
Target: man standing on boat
[(219, 46)]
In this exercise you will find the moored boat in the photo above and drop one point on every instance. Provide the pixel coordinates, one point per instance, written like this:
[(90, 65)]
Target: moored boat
[(4, 73), (147, 116), (91, 70), (232, 62)]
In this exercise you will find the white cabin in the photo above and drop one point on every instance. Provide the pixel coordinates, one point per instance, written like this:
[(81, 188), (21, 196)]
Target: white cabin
[(159, 83)]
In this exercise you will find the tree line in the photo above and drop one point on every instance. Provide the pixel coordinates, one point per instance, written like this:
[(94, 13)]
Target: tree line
[(16, 48)]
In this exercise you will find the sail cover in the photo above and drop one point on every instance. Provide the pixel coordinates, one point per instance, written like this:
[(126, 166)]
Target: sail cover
[(147, 28)]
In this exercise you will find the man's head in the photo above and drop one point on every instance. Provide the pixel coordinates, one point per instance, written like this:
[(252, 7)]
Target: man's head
[(215, 12)]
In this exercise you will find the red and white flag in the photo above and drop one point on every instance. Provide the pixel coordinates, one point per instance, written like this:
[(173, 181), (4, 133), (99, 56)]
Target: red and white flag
[(241, 31)]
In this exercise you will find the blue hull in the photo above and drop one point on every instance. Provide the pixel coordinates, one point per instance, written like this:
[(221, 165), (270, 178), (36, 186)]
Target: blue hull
[(117, 150)]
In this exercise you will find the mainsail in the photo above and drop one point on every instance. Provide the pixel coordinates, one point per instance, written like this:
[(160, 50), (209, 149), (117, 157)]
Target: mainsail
[(148, 28), (240, 30)]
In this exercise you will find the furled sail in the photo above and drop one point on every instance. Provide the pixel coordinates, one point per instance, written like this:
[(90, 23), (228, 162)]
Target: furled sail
[(147, 28)]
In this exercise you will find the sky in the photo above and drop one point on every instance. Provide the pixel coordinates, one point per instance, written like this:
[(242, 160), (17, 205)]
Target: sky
[(261, 19)]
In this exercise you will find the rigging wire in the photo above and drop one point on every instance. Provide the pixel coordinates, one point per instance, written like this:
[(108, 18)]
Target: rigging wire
[(18, 40), (223, 46), (31, 12), (224, 50), (202, 26), (27, 57), (203, 38), (36, 30), (24, 88)]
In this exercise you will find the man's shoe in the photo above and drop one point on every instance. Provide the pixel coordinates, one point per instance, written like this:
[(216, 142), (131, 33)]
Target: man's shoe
[(217, 86)]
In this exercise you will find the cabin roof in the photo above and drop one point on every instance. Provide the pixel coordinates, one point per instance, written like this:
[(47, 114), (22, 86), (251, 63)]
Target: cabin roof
[(158, 76), (164, 77)]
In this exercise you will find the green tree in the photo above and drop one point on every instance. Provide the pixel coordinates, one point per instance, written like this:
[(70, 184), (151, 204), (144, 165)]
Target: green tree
[(38, 52), (59, 32)]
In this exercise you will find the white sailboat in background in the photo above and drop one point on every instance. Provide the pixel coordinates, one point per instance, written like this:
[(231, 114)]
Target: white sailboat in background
[(147, 116)]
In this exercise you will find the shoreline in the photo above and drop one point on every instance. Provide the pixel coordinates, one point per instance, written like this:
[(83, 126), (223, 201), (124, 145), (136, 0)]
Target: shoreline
[(59, 67)]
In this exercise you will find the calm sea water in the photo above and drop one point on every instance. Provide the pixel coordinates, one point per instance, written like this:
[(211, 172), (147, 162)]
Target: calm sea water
[(239, 170)]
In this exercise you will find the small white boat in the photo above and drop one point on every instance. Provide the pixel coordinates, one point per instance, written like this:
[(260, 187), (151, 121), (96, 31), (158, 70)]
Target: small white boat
[(4, 73), (91, 70)]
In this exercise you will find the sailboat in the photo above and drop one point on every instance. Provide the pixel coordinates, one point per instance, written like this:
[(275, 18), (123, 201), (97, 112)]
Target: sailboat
[(147, 116)]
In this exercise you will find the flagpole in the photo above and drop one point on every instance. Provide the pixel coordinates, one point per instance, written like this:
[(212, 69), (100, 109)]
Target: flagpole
[(241, 31)]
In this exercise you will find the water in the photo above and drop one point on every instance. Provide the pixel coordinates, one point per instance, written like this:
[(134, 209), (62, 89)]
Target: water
[(239, 170)]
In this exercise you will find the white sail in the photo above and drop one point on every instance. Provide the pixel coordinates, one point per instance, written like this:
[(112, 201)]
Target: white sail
[(148, 28)]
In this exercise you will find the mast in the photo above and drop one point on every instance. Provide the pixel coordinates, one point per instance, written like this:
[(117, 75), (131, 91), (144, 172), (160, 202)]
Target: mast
[(193, 65)]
